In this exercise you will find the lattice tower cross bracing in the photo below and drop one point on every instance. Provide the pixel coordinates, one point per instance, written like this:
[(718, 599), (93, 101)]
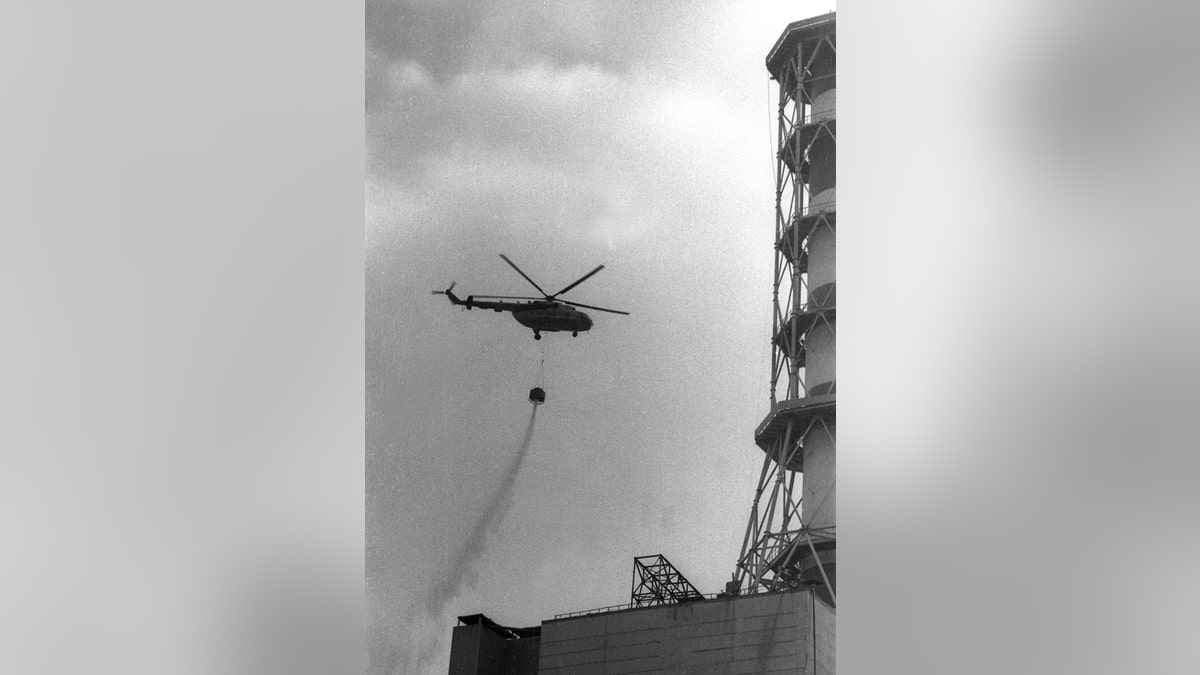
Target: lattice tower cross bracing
[(791, 536)]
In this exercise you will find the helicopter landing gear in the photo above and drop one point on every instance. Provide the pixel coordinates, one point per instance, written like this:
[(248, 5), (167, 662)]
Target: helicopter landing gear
[(537, 335)]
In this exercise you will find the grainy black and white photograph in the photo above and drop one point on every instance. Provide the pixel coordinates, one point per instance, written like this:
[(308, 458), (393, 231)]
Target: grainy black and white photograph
[(600, 256)]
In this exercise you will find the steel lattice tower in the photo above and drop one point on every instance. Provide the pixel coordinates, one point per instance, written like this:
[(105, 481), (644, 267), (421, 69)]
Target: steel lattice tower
[(791, 537)]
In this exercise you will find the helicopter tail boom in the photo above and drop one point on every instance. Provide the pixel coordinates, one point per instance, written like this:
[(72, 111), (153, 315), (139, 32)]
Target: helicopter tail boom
[(449, 294)]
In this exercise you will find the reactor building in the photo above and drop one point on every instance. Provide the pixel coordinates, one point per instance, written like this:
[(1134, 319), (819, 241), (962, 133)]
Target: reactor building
[(778, 613)]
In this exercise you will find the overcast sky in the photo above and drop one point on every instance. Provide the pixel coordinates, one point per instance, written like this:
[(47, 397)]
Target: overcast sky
[(565, 135)]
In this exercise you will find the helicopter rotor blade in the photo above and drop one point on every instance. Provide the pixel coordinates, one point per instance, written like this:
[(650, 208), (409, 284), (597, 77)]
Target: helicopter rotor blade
[(506, 297), (518, 269), (580, 304), (579, 281)]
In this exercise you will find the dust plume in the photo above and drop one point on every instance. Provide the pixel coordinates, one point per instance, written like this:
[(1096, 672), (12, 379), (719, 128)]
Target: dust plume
[(466, 560), (493, 513)]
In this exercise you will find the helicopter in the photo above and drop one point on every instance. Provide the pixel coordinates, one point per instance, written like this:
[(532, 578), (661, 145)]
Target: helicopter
[(545, 314)]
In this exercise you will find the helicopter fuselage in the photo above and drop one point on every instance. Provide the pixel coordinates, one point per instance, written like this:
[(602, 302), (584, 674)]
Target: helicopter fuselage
[(547, 314), (541, 316), (552, 317)]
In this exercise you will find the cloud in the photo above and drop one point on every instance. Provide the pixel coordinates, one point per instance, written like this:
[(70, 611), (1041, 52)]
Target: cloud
[(406, 75), (557, 151), (576, 152), (450, 38)]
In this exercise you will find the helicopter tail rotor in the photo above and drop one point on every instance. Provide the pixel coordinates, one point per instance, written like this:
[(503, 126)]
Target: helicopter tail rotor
[(453, 299)]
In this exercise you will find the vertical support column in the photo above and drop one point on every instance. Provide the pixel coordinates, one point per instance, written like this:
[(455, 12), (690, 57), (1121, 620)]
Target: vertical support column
[(797, 205), (790, 538)]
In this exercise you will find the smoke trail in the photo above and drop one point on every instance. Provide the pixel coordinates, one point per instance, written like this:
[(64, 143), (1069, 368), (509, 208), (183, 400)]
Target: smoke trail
[(467, 559), (424, 633)]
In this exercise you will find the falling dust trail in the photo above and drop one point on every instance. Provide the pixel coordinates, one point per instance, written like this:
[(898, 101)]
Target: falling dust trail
[(467, 558), (422, 656)]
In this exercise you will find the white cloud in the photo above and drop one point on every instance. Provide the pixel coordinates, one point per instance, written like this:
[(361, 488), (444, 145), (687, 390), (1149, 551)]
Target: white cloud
[(407, 74), (542, 83)]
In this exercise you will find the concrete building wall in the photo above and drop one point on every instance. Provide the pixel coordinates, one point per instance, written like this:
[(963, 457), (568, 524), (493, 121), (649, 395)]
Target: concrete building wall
[(822, 251), (826, 642), (821, 366), (521, 656), (767, 633), (820, 469), (823, 161), (477, 650), (473, 651)]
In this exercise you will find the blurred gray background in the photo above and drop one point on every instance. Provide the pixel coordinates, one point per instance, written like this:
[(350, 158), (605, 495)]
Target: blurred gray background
[(184, 365)]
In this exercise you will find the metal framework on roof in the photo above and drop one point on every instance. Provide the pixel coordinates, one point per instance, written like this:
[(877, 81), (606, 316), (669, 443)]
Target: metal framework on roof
[(657, 582), (786, 545)]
